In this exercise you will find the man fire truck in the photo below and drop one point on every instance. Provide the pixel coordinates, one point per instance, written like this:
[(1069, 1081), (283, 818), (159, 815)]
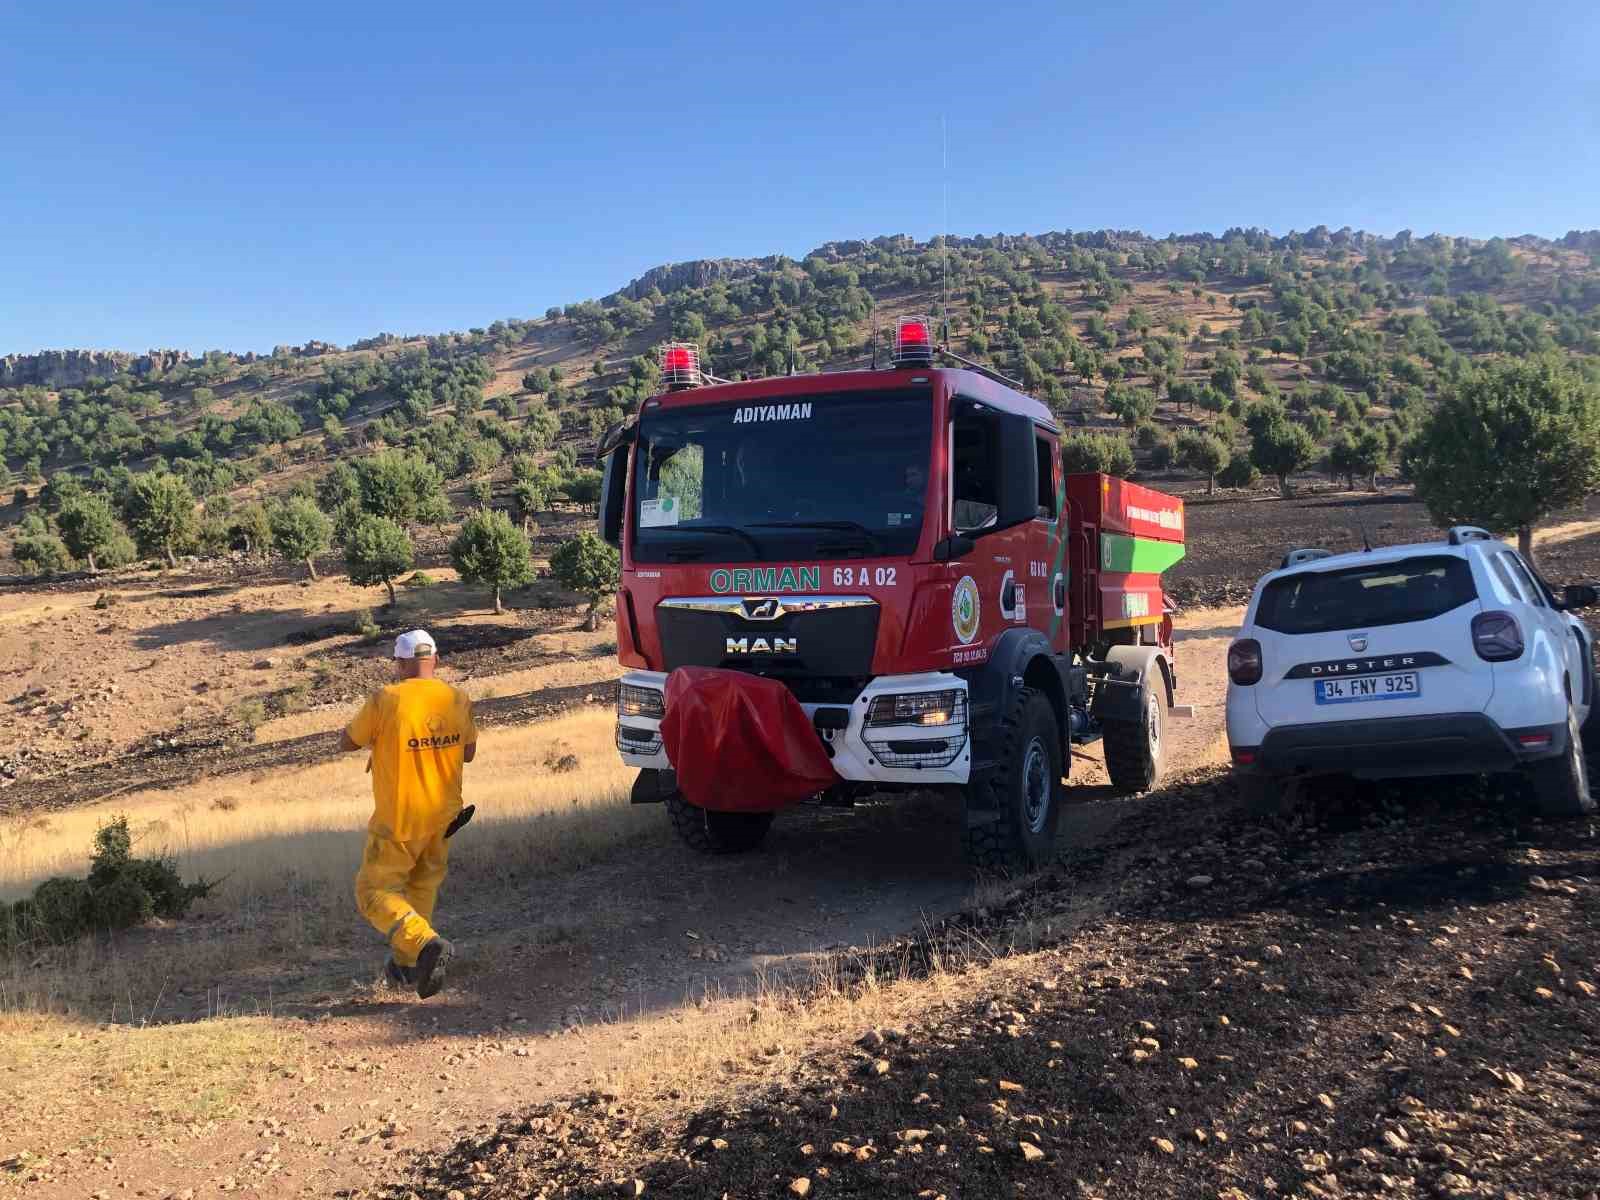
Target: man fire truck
[(875, 581)]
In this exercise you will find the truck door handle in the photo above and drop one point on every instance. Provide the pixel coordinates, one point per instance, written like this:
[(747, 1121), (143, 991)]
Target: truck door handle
[(1008, 597), (1060, 592)]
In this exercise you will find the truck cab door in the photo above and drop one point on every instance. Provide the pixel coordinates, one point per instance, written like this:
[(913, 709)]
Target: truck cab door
[(995, 502)]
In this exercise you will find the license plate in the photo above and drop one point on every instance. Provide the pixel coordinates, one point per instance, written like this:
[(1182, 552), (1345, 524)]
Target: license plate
[(1404, 686)]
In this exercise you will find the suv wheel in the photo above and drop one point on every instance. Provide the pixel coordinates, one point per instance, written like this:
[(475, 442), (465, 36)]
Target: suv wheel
[(1560, 785), (1136, 750), (716, 832), (1023, 789)]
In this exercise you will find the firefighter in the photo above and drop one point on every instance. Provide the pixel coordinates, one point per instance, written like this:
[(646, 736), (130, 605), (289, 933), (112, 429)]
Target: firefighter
[(420, 732)]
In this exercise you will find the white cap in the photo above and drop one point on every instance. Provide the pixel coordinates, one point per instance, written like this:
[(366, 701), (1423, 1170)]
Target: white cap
[(416, 644)]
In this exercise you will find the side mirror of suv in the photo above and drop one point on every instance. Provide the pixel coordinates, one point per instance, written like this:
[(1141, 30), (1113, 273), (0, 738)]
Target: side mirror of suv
[(1579, 595)]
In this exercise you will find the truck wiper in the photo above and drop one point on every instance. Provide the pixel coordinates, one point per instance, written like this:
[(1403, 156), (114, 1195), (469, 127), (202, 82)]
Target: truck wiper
[(730, 530), (848, 526)]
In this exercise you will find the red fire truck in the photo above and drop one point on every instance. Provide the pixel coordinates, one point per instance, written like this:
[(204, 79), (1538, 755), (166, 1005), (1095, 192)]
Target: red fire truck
[(875, 581)]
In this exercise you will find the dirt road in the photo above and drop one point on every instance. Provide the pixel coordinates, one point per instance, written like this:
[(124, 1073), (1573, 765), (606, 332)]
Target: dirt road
[(526, 1020)]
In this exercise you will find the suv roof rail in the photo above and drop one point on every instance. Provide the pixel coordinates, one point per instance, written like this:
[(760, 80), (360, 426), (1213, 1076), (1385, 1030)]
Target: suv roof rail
[(1296, 557), (1460, 534)]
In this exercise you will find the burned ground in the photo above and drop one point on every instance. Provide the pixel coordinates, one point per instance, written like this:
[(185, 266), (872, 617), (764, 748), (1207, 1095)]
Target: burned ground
[(1364, 998)]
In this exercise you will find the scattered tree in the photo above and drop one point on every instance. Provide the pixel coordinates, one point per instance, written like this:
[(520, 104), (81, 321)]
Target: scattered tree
[(88, 526), (1507, 445), (1205, 453), (1108, 453), (300, 531), (590, 567), (1281, 449), (160, 514), (376, 551), (492, 551)]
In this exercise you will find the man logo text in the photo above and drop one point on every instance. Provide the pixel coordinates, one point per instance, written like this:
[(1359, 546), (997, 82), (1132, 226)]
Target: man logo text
[(761, 645)]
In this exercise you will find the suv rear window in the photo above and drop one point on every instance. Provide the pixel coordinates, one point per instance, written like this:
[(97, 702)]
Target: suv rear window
[(1391, 593)]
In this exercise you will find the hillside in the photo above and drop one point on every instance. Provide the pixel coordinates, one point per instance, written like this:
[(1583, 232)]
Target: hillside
[(1352, 331)]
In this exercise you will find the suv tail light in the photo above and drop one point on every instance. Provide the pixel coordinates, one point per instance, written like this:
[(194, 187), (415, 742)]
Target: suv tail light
[(1496, 636), (1244, 662)]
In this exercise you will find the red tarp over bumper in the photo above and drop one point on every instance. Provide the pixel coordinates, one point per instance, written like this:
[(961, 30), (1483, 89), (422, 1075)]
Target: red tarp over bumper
[(741, 743)]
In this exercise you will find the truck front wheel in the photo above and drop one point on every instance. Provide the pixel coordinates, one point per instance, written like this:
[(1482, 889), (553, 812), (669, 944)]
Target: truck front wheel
[(1136, 749), (1011, 823), (708, 832)]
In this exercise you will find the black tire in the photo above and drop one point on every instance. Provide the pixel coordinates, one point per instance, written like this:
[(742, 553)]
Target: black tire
[(708, 832), (1559, 787), (1023, 789), (1136, 750)]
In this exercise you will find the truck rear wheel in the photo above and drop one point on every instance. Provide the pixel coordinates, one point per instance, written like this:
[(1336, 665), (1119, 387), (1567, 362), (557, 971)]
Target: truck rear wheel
[(1023, 791), (708, 832), (1136, 749), (1559, 786)]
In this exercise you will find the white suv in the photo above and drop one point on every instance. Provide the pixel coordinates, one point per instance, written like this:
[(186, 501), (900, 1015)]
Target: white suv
[(1432, 659)]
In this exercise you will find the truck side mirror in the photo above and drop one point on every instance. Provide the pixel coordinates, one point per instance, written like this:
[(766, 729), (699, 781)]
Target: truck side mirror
[(1579, 595), (613, 495), (1018, 482)]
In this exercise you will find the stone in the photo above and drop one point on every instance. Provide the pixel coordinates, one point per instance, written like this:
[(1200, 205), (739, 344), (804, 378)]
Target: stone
[(1007, 1086), (800, 1186), (1199, 881), (1164, 1145), (1188, 1064), (1030, 1152)]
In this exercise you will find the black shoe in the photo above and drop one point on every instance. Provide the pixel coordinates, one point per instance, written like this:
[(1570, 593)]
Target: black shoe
[(397, 976), (431, 963)]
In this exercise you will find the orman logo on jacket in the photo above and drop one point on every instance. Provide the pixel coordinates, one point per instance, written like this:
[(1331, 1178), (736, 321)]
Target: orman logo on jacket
[(434, 743)]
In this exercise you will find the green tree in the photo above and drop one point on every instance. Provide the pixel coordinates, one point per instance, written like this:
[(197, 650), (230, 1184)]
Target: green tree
[(250, 527), (376, 551), (300, 531), (1281, 449), (1085, 453), (1507, 445), (402, 487), (41, 553), (1205, 453), (492, 551), (88, 525), (160, 514), (588, 566)]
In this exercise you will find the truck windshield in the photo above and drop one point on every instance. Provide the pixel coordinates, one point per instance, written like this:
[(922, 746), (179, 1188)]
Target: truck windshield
[(836, 474)]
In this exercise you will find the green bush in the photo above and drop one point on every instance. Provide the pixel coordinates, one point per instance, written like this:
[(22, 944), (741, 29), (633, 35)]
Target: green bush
[(1239, 473), (121, 891)]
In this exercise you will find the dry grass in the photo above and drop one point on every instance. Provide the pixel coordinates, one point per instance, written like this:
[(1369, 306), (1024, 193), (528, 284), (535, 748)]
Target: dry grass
[(287, 845), (590, 669)]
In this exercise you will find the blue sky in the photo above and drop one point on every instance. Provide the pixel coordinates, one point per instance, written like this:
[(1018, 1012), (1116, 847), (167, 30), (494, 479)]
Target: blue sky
[(206, 175)]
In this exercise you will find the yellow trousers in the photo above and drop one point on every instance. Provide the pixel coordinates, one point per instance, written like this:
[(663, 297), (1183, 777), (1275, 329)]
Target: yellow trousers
[(396, 889)]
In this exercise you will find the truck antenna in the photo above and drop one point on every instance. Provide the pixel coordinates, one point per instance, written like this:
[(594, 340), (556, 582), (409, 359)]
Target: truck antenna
[(874, 341), (944, 232)]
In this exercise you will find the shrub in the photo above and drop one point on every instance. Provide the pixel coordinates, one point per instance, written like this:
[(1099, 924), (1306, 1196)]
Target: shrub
[(1239, 473), (492, 551), (1088, 452)]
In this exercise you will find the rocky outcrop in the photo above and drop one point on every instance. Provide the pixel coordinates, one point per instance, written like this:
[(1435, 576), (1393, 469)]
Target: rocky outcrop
[(676, 277), (74, 368)]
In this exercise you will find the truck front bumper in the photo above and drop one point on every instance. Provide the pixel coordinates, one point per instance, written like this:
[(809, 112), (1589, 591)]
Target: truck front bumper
[(877, 753)]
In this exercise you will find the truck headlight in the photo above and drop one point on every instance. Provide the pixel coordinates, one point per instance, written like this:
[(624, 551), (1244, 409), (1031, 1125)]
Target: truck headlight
[(634, 701), (919, 708)]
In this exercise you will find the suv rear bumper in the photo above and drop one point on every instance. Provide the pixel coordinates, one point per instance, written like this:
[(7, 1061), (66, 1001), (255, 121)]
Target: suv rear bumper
[(1445, 744)]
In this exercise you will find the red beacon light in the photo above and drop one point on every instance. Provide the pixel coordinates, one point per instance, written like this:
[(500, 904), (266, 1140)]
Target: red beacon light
[(913, 343), (680, 365)]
